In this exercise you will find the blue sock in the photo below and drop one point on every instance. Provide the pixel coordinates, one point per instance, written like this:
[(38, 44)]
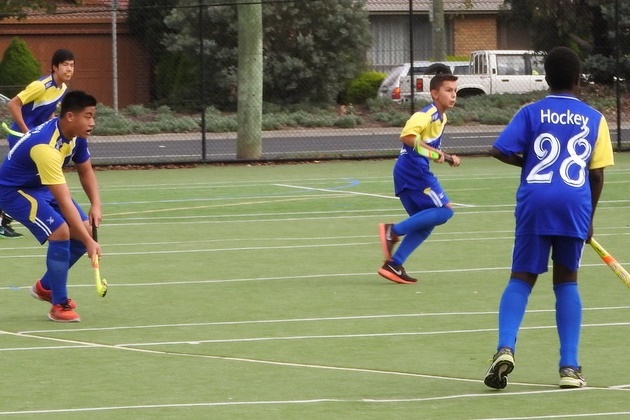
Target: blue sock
[(512, 311), (409, 243), (568, 320), (424, 219), (57, 265), (77, 249)]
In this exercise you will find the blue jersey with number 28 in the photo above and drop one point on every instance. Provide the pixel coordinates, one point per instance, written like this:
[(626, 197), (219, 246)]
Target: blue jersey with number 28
[(560, 138)]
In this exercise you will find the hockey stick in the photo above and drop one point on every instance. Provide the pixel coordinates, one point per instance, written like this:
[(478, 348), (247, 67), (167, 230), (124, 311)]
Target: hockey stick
[(6, 128), (101, 284), (611, 262)]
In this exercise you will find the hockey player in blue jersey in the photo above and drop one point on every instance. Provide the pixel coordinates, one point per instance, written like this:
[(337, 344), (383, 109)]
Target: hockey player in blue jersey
[(35, 105), (416, 186), (562, 146), (33, 189)]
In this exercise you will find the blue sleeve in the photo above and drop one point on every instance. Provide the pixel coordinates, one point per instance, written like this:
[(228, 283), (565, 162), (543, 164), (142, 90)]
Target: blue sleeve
[(514, 138), (82, 153)]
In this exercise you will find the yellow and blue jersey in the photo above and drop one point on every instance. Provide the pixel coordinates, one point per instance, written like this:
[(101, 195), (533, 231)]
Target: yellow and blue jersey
[(560, 138), (38, 158), (412, 169), (39, 102)]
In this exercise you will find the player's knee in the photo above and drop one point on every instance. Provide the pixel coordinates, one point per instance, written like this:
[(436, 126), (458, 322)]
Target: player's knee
[(62, 233), (447, 213)]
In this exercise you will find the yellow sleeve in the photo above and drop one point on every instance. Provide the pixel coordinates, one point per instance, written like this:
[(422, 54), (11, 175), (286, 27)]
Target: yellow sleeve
[(415, 125), (49, 163), (34, 91), (603, 152)]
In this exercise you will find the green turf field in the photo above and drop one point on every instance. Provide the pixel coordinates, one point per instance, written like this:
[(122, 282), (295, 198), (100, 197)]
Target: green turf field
[(250, 292)]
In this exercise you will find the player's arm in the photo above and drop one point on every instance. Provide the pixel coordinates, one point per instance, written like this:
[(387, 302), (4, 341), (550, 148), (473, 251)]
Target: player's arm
[(78, 231), (31, 93), (424, 149), (88, 180), (602, 157), (596, 181), (514, 159), (15, 109)]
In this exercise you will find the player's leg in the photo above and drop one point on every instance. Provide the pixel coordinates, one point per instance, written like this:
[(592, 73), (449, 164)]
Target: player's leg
[(41, 289), (530, 257), (566, 259), (32, 208), (427, 208), (6, 230)]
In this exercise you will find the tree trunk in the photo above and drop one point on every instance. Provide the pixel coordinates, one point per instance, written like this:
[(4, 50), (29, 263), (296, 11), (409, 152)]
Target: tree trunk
[(250, 72)]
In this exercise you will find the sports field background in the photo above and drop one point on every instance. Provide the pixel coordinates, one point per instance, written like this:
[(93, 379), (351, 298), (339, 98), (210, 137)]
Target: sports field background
[(250, 292)]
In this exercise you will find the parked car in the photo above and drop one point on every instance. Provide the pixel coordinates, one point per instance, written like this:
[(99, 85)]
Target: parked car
[(489, 72), (391, 87)]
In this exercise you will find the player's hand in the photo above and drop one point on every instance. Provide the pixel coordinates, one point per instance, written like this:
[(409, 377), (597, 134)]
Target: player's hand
[(93, 249), (454, 161)]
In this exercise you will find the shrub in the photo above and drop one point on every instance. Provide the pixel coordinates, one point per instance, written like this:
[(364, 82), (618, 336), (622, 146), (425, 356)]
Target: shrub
[(18, 68), (362, 88), (601, 69), (347, 121)]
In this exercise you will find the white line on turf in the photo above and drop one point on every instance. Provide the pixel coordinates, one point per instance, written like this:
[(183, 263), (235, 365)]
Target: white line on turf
[(326, 401), (346, 192), (297, 320)]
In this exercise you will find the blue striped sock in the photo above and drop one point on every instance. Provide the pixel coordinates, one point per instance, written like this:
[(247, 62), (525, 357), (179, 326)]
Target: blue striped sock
[(77, 249), (568, 320), (512, 311), (57, 264)]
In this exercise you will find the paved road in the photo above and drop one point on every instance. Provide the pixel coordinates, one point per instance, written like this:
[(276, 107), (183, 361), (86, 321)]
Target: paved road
[(283, 145)]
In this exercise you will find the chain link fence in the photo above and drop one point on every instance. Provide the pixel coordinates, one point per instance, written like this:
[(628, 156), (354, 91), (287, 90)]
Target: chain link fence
[(235, 80)]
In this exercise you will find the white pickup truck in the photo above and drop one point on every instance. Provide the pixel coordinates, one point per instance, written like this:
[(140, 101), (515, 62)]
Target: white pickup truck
[(490, 71)]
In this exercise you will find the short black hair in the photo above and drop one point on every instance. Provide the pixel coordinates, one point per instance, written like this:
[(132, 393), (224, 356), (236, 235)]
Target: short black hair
[(76, 101), (438, 79), (562, 69), (60, 56)]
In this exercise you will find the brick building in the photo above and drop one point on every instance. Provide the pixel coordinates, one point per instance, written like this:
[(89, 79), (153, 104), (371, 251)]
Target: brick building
[(469, 26), (87, 31)]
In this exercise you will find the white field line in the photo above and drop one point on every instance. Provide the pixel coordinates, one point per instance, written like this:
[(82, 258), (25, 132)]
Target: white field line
[(283, 278), (335, 191), (563, 416), (307, 320), (81, 344), (234, 218), (610, 172), (352, 193), (328, 401), (448, 237)]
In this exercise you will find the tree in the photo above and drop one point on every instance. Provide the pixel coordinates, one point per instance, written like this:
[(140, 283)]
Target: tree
[(18, 67), (311, 47), (146, 22), (587, 26), (584, 25)]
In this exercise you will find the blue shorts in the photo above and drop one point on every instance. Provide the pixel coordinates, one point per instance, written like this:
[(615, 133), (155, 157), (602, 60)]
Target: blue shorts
[(36, 209), (531, 253), (415, 201)]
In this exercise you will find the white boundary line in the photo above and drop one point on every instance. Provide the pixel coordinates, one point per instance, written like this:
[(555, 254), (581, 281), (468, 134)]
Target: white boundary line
[(354, 193)]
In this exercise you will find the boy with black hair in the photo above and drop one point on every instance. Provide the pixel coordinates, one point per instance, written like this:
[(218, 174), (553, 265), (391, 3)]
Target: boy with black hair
[(562, 146), (33, 189), (418, 189), (35, 105)]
